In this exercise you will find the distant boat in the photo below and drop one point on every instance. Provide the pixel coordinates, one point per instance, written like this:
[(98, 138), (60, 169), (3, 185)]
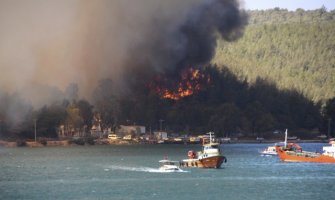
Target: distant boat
[(169, 166), (226, 140), (271, 150), (322, 137), (209, 157), (292, 152), (293, 138)]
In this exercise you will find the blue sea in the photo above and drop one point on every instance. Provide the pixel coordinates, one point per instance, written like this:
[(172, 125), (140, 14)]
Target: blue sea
[(131, 172)]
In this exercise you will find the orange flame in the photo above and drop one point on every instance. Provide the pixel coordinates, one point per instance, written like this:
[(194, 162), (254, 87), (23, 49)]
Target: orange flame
[(191, 81)]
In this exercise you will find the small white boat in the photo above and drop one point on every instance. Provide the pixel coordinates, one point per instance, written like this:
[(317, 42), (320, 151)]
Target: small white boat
[(169, 166), (271, 150), (329, 150)]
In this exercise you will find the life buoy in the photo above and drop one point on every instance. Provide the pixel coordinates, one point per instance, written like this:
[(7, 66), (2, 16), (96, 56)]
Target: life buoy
[(191, 154)]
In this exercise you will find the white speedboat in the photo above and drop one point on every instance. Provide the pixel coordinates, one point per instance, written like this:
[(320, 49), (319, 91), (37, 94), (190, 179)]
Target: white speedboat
[(169, 166)]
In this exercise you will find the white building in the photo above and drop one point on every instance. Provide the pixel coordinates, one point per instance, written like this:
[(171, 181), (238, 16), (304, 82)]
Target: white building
[(160, 135)]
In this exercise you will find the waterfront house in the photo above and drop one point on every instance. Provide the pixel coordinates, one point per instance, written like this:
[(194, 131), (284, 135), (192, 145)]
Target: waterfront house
[(133, 130)]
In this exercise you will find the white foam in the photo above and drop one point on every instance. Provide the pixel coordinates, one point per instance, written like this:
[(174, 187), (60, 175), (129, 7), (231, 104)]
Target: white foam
[(138, 169)]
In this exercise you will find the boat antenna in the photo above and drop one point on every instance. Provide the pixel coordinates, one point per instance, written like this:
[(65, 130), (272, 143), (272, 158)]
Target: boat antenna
[(285, 142), (210, 136)]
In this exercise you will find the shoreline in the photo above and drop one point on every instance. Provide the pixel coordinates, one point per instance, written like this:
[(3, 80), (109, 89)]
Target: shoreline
[(69, 143)]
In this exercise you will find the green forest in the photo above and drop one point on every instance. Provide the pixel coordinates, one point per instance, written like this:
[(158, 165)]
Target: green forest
[(293, 49), (280, 74)]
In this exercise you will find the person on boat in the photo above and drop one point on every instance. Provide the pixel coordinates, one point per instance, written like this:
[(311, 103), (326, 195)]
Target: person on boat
[(293, 147)]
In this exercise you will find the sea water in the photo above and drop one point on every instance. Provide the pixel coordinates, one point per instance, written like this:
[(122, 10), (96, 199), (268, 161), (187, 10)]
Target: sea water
[(131, 172)]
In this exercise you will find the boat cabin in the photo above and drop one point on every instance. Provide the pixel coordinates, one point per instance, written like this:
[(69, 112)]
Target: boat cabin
[(293, 147), (168, 162)]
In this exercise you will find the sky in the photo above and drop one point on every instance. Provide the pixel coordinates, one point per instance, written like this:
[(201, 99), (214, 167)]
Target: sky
[(289, 4)]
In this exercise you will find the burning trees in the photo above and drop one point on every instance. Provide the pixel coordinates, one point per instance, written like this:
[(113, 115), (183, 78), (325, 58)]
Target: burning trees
[(190, 81)]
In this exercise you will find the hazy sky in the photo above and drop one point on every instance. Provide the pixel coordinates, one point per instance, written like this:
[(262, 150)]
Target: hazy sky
[(289, 4)]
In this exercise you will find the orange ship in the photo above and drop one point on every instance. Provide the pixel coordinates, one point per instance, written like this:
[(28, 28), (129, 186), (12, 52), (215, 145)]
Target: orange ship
[(294, 153)]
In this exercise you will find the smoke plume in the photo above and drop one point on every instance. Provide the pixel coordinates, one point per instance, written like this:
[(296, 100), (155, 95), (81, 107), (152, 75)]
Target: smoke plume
[(47, 44)]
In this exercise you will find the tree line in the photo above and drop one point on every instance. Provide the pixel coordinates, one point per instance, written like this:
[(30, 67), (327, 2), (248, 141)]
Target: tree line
[(227, 106)]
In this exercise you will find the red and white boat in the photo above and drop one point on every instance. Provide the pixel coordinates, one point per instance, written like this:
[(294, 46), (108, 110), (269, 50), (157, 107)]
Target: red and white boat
[(292, 152), (210, 156)]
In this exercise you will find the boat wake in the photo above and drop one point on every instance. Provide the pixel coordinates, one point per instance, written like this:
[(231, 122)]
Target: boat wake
[(140, 169), (266, 155)]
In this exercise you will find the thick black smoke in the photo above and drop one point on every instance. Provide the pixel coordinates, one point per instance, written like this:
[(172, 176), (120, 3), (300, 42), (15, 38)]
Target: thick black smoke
[(200, 31), (45, 44), (192, 42), (51, 43)]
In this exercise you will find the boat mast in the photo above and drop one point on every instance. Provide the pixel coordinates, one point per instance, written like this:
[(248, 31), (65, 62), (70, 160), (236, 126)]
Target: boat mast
[(285, 142), (210, 137)]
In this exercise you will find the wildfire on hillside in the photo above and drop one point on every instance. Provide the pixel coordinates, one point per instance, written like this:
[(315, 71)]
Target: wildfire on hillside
[(190, 81)]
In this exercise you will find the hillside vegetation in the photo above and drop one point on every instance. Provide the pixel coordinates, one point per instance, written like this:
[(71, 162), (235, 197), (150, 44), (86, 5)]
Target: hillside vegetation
[(295, 50)]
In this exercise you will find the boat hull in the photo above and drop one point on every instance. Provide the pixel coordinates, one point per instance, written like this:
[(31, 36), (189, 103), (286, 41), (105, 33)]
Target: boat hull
[(290, 156), (268, 154), (209, 162), (170, 169)]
